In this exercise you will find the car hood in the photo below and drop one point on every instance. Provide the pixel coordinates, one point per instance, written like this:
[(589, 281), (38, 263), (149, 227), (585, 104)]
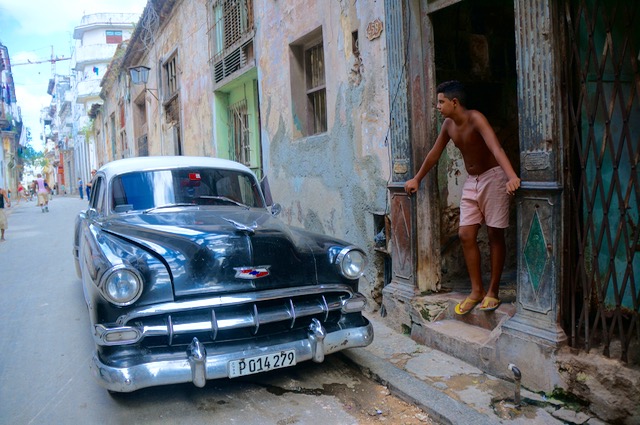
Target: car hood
[(218, 250)]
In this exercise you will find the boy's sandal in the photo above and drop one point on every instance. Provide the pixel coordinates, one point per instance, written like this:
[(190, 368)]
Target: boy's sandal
[(466, 306), (490, 304)]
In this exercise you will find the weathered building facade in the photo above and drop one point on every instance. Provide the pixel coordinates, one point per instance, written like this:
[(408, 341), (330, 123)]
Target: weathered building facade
[(170, 112), (11, 131), (559, 84)]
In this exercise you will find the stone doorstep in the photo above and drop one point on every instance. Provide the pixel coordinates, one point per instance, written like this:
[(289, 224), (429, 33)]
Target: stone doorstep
[(470, 337), (442, 307)]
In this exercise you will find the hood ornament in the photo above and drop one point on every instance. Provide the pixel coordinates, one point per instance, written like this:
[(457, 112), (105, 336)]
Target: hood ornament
[(243, 227)]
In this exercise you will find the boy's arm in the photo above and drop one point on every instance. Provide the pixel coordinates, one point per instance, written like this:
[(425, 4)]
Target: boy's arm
[(412, 185), (490, 138)]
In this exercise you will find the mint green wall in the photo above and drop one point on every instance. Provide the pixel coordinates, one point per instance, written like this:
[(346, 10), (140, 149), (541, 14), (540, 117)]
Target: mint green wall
[(239, 89)]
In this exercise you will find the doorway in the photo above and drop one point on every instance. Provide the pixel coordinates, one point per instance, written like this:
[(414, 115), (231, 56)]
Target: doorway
[(474, 43)]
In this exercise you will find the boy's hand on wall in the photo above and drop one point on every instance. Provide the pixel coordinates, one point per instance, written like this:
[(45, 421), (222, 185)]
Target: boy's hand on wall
[(411, 186), (513, 185)]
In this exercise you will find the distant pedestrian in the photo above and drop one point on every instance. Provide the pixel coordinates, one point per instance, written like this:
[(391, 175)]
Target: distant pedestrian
[(81, 188), (22, 193), (90, 183), (43, 193), (4, 203)]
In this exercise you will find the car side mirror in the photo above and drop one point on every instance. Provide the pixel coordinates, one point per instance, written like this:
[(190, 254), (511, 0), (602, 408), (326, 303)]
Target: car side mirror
[(276, 209), (92, 214)]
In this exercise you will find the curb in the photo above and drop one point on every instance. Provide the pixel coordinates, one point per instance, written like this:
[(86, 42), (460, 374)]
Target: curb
[(437, 404)]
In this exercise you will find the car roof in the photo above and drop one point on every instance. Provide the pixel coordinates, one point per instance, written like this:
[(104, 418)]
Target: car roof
[(148, 163)]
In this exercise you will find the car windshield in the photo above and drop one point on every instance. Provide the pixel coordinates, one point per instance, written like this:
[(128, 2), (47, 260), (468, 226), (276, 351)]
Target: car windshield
[(146, 190)]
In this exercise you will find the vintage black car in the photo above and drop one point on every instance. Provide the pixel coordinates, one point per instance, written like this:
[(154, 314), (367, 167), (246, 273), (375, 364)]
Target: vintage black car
[(189, 276)]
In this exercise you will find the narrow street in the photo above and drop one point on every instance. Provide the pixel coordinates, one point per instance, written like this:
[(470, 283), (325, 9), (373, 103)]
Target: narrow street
[(46, 348)]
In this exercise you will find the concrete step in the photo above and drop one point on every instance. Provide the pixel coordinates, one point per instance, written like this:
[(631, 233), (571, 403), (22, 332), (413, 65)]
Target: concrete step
[(470, 337), (462, 340)]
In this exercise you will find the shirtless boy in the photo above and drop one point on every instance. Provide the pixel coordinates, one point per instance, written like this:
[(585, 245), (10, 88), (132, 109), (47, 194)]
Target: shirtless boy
[(485, 195)]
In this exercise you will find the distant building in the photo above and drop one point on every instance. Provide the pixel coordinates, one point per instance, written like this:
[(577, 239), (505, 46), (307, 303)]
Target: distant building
[(10, 126), (97, 38)]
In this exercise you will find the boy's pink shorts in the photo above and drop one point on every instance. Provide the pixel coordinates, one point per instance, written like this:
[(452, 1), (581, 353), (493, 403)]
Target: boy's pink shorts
[(485, 199)]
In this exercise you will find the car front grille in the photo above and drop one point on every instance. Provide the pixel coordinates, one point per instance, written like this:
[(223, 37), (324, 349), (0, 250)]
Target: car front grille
[(237, 316)]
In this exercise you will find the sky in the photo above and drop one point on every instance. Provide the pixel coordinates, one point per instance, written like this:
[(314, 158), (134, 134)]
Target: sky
[(33, 30)]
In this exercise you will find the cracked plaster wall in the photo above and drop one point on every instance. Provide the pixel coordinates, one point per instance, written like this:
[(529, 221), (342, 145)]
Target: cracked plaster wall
[(332, 182)]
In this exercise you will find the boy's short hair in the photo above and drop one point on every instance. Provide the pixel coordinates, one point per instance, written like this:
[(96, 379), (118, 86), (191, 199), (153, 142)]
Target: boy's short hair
[(453, 89)]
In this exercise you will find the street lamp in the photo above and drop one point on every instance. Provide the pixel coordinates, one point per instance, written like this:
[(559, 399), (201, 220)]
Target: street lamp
[(140, 75)]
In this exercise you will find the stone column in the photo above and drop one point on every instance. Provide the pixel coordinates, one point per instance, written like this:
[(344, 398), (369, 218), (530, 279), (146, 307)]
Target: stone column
[(397, 294), (532, 336)]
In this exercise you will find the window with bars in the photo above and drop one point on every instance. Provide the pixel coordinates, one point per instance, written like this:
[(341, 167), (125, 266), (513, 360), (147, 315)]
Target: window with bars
[(316, 93), (232, 29), (240, 148), (232, 22), (308, 87), (171, 76), (171, 100)]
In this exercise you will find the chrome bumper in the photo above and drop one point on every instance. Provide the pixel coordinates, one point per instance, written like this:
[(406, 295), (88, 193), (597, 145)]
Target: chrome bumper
[(197, 366)]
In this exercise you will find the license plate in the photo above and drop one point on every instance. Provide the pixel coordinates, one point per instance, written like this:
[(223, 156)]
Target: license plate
[(263, 363)]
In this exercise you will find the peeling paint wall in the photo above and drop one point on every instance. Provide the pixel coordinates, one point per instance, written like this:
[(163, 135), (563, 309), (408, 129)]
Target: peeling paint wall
[(331, 182), (183, 32)]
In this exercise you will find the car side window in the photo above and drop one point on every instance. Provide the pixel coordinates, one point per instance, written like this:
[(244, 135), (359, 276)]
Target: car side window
[(94, 194), (97, 200)]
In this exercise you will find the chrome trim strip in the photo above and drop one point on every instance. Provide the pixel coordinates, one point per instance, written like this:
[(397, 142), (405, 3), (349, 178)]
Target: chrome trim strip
[(325, 307), (214, 325), (256, 319), (227, 300), (179, 370), (292, 312)]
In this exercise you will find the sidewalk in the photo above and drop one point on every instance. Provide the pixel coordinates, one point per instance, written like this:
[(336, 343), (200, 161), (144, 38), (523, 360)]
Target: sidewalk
[(450, 390)]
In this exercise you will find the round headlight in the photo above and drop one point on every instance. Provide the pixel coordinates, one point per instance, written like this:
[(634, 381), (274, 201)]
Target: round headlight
[(351, 262), (122, 286)]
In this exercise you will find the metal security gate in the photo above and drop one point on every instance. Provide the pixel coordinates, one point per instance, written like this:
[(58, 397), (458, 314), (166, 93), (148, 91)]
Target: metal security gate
[(601, 296)]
